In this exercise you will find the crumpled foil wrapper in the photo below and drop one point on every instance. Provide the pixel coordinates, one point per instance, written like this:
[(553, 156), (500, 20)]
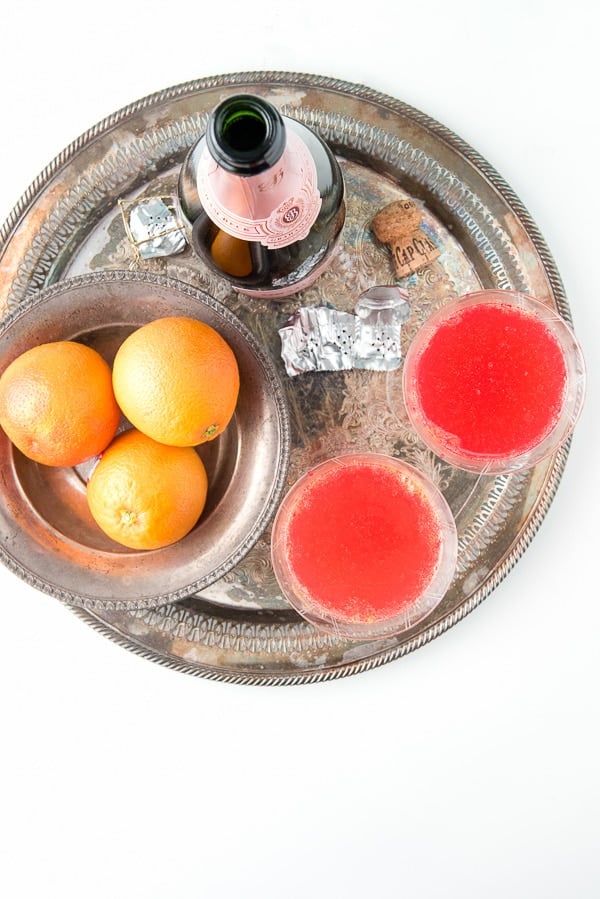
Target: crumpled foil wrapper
[(153, 227), (320, 338)]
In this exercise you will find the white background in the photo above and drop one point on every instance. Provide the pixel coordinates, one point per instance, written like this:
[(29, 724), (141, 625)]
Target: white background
[(468, 769)]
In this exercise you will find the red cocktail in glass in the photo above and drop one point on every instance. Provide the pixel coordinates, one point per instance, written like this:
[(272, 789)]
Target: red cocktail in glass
[(364, 546), (494, 381)]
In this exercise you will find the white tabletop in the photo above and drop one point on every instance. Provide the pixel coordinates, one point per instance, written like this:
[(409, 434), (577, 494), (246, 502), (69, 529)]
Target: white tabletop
[(467, 769)]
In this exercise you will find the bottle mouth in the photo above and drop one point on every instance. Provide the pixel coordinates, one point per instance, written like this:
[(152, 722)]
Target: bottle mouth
[(245, 134)]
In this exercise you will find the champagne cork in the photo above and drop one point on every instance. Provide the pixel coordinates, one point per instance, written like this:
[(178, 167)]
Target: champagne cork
[(398, 226)]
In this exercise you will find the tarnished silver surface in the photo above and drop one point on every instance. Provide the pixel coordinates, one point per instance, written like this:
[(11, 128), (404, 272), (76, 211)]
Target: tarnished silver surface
[(67, 223), (49, 536)]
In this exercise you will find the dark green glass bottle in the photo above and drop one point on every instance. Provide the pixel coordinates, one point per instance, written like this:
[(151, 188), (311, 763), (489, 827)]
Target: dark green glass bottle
[(263, 196)]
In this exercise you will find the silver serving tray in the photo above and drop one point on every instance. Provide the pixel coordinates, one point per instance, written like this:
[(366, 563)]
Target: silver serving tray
[(69, 223)]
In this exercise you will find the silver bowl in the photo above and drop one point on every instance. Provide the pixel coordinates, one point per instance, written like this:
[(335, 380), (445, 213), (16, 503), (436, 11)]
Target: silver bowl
[(48, 535)]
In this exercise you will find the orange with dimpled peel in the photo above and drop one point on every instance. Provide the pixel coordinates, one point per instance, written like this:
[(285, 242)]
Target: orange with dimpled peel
[(177, 380), (144, 494), (57, 403)]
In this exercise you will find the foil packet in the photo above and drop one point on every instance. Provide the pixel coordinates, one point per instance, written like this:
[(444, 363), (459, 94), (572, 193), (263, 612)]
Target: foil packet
[(320, 338), (153, 227)]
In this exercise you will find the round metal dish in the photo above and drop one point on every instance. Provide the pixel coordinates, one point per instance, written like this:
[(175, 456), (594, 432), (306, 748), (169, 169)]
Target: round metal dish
[(67, 223), (52, 540)]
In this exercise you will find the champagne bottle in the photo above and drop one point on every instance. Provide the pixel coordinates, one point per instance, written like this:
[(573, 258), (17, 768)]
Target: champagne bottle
[(263, 196)]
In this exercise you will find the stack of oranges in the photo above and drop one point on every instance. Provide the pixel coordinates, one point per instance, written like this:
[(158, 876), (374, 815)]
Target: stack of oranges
[(176, 381)]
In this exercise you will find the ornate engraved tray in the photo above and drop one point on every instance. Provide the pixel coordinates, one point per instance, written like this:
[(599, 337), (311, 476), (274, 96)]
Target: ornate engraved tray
[(69, 223)]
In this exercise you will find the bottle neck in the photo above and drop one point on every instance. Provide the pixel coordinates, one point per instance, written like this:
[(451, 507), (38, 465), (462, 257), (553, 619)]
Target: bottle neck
[(245, 135)]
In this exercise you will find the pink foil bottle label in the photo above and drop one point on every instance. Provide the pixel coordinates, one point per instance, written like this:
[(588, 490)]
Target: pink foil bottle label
[(275, 208)]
